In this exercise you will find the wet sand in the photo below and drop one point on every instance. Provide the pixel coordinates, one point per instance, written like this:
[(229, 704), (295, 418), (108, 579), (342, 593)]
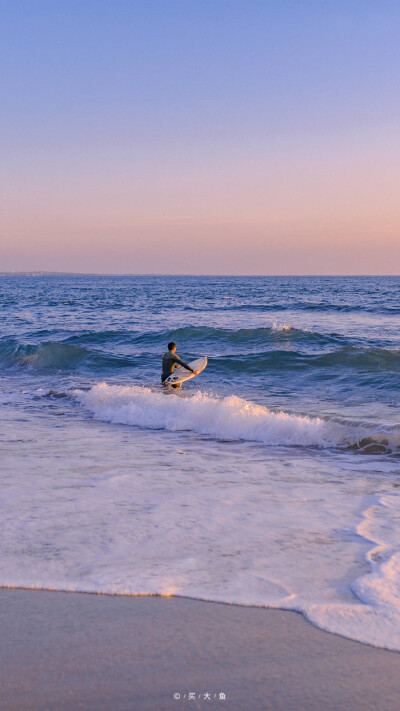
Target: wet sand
[(77, 652)]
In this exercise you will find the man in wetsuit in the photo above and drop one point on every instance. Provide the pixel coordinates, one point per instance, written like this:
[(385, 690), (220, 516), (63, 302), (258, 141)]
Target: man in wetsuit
[(170, 360)]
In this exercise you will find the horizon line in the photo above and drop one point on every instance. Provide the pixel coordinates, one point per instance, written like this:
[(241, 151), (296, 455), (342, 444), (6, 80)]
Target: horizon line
[(39, 272)]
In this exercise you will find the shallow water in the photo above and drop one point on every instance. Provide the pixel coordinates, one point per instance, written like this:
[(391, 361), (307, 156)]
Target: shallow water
[(272, 479)]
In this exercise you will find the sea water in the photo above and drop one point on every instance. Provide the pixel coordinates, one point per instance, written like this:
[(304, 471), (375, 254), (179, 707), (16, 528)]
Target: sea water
[(272, 479)]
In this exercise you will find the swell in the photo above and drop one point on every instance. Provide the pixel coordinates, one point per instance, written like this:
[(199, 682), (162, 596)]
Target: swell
[(323, 307), (233, 305), (360, 359), (211, 335), (53, 355), (256, 351)]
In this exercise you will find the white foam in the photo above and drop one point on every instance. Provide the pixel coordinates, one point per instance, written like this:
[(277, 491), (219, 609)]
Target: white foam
[(281, 326), (230, 418), (377, 621), (89, 507)]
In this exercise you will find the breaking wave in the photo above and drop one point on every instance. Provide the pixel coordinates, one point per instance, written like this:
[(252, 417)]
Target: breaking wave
[(226, 418)]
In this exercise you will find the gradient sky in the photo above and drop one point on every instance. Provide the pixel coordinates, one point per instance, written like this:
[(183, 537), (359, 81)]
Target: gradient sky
[(200, 136)]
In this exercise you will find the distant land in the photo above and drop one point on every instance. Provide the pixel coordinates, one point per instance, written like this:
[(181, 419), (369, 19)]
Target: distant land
[(61, 274), (35, 273)]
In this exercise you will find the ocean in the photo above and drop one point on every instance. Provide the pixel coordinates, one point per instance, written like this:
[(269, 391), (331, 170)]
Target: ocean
[(272, 479)]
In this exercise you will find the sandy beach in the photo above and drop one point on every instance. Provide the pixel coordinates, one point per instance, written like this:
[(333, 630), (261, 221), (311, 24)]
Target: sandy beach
[(70, 651)]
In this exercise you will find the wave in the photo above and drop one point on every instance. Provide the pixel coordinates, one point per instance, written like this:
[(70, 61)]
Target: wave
[(361, 359), (322, 306), (280, 347), (55, 355), (210, 335), (107, 348), (226, 418)]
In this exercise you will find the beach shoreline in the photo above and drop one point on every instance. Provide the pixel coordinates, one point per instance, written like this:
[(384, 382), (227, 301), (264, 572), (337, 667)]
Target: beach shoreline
[(83, 651)]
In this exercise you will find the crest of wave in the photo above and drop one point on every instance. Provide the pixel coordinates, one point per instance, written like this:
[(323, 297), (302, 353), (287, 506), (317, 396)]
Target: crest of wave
[(230, 418), (280, 326)]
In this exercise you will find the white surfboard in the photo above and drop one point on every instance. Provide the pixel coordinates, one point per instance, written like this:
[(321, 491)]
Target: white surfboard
[(180, 375)]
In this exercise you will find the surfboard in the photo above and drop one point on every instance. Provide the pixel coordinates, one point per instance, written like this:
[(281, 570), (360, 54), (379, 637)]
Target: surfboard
[(180, 375)]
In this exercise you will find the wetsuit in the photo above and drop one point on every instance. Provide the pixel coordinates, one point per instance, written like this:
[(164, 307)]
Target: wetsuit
[(169, 361)]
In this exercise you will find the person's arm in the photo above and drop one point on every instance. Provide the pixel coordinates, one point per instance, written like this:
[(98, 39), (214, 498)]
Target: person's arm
[(184, 365)]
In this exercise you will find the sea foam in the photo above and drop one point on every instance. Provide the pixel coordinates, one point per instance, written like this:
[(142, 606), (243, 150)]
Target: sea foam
[(229, 418), (376, 620)]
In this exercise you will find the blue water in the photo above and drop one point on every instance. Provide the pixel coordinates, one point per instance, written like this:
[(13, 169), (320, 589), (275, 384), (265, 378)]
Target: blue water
[(341, 351), (296, 413)]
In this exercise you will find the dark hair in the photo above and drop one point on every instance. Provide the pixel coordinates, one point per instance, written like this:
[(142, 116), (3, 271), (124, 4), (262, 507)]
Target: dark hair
[(171, 345)]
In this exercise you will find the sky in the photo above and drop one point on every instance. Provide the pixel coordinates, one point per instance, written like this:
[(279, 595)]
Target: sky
[(200, 136)]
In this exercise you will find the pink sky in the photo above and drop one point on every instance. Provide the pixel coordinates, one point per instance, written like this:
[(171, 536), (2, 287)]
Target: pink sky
[(241, 140), (326, 204)]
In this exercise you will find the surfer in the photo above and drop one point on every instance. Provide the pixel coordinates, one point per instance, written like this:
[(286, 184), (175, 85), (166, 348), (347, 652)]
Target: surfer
[(170, 360)]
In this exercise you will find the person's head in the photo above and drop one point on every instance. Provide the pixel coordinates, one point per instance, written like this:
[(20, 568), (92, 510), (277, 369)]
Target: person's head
[(172, 347)]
